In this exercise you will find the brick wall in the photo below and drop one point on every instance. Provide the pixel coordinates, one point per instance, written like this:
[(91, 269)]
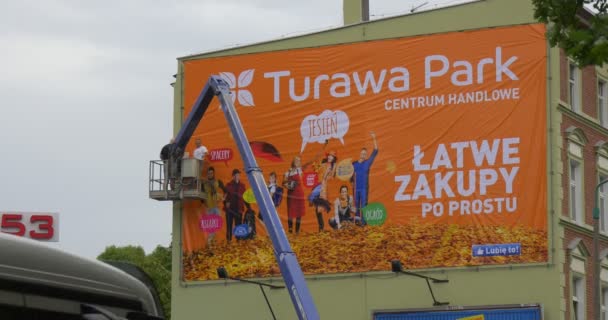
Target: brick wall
[(589, 91), (589, 86)]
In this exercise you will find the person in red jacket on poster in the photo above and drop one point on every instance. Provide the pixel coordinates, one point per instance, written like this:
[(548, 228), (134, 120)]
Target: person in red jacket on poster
[(234, 203)]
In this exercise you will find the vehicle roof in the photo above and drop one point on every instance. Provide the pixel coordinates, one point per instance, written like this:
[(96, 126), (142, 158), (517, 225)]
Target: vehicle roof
[(28, 261)]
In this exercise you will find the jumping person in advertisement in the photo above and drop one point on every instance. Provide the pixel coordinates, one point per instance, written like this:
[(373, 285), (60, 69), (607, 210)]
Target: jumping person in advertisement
[(344, 207), (318, 197), (211, 186), (360, 178), (296, 201), (234, 203)]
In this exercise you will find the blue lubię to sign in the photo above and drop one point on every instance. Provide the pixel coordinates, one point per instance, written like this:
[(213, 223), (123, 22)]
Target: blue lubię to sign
[(492, 250)]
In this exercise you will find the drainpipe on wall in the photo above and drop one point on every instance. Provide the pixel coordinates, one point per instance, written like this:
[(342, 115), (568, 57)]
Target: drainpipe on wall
[(355, 11)]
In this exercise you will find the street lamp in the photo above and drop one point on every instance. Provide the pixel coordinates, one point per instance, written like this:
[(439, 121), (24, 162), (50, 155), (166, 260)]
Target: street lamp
[(596, 252)]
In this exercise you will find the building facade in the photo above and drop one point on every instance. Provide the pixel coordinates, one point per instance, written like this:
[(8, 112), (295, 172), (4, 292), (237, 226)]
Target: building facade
[(576, 161), (582, 108)]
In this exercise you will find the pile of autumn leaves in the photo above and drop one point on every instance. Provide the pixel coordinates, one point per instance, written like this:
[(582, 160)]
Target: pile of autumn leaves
[(361, 249)]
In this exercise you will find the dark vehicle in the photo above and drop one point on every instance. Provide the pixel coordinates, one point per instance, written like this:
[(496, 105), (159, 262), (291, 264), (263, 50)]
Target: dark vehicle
[(40, 282)]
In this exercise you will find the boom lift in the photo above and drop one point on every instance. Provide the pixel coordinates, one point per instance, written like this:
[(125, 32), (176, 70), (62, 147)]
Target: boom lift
[(170, 182)]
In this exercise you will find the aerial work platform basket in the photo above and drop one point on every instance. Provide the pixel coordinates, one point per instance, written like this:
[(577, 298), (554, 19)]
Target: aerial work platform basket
[(183, 182)]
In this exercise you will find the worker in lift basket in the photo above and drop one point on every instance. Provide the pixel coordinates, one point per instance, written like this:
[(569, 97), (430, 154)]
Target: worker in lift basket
[(165, 155), (200, 153)]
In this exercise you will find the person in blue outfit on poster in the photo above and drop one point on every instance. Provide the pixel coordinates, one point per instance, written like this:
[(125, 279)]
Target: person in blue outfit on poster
[(276, 192), (360, 177)]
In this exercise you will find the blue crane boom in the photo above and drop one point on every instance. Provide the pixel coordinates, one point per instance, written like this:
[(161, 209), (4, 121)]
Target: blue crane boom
[(285, 257)]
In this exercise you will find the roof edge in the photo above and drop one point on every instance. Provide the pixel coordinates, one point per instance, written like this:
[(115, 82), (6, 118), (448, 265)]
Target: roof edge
[(213, 51)]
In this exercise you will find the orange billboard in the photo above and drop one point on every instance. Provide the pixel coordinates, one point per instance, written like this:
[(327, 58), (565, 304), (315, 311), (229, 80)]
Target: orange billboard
[(428, 149)]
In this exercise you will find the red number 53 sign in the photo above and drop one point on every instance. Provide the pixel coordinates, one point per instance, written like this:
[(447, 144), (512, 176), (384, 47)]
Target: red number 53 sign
[(34, 225)]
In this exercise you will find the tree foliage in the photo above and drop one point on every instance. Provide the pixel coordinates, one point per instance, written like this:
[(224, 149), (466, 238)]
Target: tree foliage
[(156, 264), (132, 254), (584, 39)]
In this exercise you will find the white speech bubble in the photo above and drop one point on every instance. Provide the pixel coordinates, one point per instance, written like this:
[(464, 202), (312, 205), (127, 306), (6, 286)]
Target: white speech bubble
[(329, 124)]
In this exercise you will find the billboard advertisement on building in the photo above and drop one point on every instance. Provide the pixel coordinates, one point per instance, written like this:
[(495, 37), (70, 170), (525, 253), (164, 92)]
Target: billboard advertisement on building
[(428, 149)]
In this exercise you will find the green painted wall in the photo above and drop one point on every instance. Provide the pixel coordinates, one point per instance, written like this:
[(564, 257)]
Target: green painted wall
[(352, 11), (356, 296)]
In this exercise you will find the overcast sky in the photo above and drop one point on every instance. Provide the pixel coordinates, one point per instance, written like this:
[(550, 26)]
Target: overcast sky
[(86, 101)]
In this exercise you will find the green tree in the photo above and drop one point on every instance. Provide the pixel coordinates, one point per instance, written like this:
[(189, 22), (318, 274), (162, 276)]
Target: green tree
[(156, 264), (132, 254), (584, 36)]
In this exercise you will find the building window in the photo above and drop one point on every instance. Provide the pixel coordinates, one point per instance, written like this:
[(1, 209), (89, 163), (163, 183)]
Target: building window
[(603, 204), (573, 87), (578, 261), (578, 298), (602, 102), (574, 173), (576, 188)]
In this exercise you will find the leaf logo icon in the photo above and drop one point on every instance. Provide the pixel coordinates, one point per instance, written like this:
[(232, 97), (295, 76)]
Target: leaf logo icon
[(239, 92)]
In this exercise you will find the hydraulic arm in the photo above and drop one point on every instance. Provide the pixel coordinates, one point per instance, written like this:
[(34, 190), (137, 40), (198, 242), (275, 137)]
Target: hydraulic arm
[(288, 264)]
